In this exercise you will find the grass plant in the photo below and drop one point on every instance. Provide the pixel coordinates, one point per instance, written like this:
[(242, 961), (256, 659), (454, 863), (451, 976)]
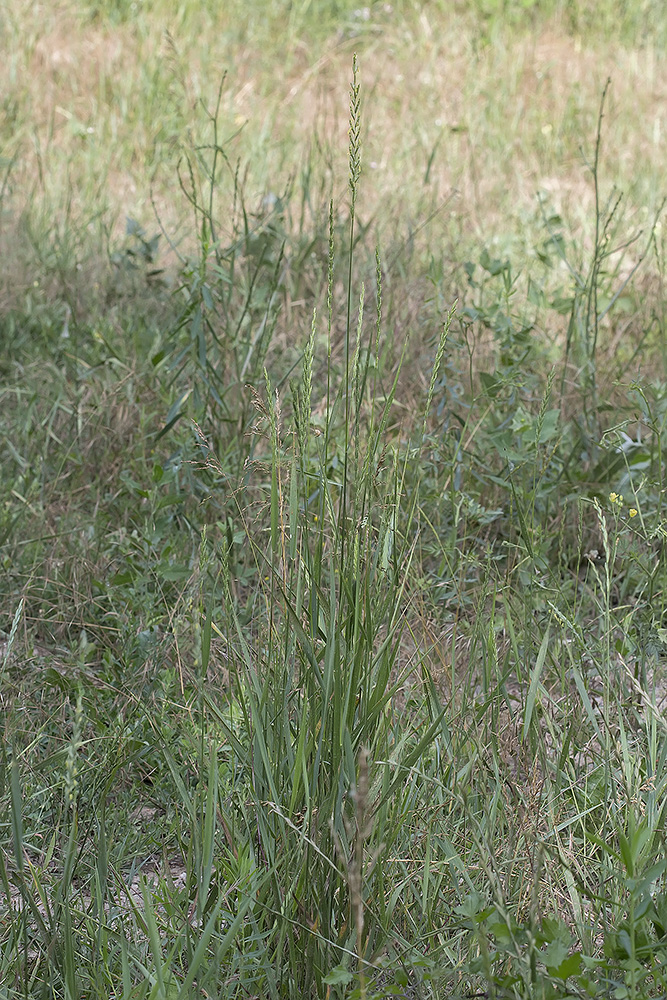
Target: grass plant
[(332, 540)]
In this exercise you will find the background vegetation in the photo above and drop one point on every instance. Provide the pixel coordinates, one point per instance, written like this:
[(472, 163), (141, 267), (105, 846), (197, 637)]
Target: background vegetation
[(332, 402)]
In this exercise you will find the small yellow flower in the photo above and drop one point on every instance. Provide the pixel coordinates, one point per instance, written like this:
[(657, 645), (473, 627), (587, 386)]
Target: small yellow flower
[(616, 498), (633, 512)]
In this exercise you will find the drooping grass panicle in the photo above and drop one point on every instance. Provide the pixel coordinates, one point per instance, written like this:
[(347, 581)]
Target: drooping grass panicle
[(305, 396), (331, 260), (435, 371), (72, 766), (357, 390), (277, 499), (378, 304), (354, 132), (354, 174)]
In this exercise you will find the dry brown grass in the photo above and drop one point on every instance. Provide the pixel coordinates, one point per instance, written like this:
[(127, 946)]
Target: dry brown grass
[(96, 107)]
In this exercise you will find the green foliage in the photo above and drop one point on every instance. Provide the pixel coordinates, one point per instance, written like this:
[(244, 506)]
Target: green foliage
[(544, 958), (331, 671)]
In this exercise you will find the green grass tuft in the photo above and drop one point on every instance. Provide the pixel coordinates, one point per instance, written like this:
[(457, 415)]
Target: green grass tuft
[(332, 518)]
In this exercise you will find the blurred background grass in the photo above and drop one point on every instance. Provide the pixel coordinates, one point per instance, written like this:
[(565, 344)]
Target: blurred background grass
[(484, 104)]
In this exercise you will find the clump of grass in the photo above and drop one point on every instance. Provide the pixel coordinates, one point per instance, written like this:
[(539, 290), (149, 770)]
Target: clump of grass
[(381, 710)]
